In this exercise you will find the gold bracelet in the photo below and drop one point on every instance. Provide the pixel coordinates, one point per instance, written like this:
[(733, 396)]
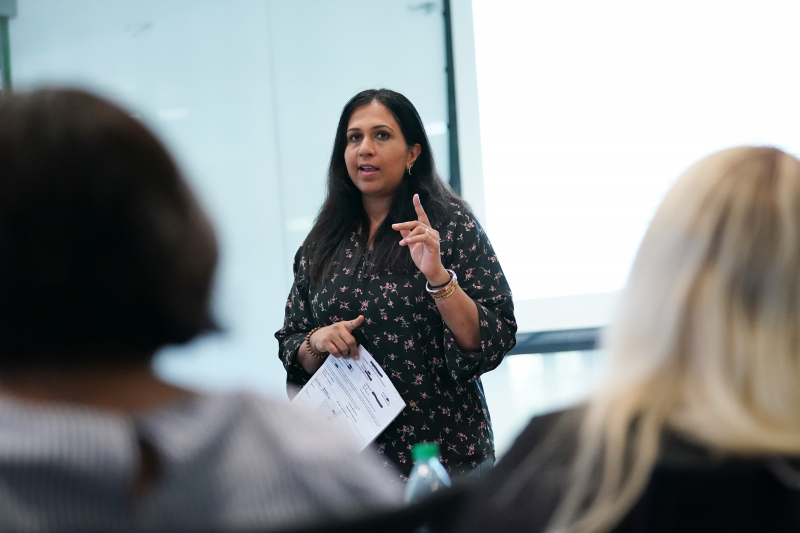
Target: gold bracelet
[(308, 344), (447, 293)]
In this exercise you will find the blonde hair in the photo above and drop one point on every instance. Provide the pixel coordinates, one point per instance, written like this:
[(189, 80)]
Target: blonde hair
[(707, 341)]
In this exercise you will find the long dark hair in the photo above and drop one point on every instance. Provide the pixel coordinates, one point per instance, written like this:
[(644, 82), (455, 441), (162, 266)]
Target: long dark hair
[(343, 211)]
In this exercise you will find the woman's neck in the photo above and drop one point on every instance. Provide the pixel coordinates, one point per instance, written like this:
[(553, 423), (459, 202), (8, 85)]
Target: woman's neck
[(377, 210), (126, 389)]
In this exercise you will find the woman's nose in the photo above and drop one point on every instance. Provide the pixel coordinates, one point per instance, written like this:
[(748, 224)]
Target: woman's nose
[(367, 147)]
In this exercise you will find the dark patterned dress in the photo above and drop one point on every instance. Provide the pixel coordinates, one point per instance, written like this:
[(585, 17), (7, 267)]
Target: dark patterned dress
[(405, 333)]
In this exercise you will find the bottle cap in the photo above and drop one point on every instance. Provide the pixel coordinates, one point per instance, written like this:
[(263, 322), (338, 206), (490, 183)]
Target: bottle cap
[(424, 450)]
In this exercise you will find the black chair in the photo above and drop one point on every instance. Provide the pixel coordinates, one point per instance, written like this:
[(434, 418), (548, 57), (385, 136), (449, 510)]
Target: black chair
[(432, 512)]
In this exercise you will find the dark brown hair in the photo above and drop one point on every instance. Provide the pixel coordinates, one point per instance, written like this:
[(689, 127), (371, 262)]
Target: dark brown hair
[(102, 244), (343, 211)]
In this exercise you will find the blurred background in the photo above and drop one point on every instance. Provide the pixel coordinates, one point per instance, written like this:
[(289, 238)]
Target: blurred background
[(562, 122)]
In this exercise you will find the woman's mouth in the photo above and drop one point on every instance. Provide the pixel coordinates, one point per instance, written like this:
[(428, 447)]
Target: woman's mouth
[(368, 171)]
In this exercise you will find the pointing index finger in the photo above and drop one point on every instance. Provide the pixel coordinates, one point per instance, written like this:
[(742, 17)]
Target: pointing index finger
[(421, 216)]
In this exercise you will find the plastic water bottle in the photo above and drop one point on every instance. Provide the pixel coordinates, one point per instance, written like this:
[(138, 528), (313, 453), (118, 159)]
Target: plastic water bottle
[(428, 474)]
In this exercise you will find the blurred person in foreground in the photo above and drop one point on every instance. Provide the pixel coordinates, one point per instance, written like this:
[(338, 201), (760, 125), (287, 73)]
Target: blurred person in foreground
[(697, 426), (105, 257)]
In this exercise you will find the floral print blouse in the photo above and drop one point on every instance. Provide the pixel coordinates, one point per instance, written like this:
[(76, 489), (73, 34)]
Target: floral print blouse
[(405, 333)]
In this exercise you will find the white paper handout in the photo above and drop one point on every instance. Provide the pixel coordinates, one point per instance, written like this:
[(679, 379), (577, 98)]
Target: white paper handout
[(356, 395)]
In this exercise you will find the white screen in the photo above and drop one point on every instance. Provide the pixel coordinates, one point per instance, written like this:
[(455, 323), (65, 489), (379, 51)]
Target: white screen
[(590, 110)]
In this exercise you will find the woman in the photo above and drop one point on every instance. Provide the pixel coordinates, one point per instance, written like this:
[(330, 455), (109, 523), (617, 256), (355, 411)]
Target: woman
[(105, 257), (397, 263), (696, 427)]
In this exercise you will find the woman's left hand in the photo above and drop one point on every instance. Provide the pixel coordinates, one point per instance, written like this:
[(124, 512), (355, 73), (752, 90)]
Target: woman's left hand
[(423, 243)]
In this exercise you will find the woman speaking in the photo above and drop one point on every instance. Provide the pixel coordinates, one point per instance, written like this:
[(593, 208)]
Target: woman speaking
[(397, 263)]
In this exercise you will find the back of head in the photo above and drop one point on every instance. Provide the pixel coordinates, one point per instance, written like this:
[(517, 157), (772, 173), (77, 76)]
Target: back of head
[(706, 342), (102, 244), (712, 305)]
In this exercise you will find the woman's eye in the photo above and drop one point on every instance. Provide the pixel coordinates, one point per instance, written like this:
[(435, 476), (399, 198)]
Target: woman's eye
[(354, 137), (382, 135)]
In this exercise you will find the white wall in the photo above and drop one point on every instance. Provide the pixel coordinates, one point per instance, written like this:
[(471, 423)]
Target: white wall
[(590, 110), (469, 126), (247, 94), (326, 51)]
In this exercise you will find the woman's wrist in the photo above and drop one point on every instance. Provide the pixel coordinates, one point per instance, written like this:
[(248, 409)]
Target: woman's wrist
[(307, 359), (441, 278), (310, 346)]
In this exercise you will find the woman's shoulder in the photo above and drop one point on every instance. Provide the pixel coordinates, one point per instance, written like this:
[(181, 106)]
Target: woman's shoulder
[(552, 435), (301, 252), (309, 244), (457, 210), (458, 218), (693, 485)]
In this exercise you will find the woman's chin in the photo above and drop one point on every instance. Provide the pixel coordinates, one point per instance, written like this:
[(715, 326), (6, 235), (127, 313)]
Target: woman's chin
[(374, 191)]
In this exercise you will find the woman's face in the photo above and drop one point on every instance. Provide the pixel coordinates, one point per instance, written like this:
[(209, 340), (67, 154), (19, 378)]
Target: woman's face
[(376, 154)]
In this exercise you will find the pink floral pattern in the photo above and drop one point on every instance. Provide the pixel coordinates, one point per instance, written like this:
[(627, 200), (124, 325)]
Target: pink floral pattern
[(405, 333)]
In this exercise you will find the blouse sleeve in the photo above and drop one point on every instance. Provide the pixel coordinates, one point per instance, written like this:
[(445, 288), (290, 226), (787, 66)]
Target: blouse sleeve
[(470, 254), (298, 321)]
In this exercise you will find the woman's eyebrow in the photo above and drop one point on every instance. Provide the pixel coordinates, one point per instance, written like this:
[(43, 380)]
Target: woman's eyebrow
[(379, 126)]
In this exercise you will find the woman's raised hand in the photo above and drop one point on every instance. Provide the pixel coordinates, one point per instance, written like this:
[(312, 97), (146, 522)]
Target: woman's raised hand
[(423, 243), (337, 339)]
